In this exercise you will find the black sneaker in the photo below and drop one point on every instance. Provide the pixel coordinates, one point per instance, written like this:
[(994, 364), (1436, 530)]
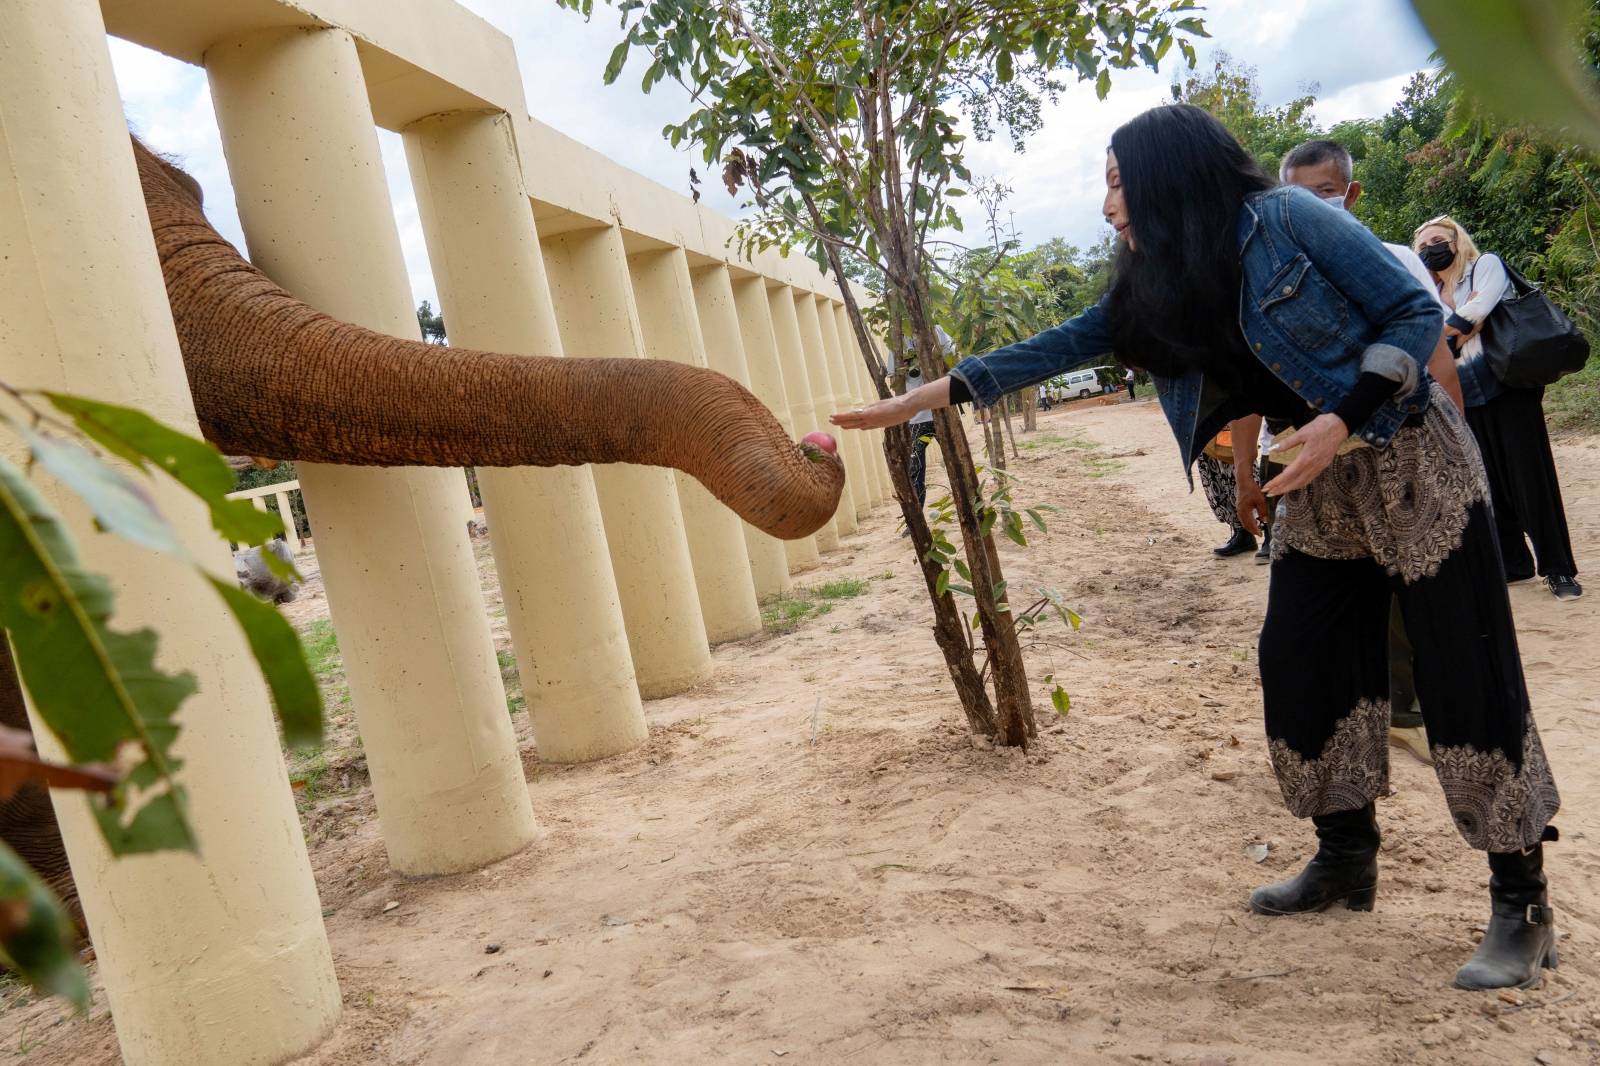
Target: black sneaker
[(1238, 544), (1564, 588)]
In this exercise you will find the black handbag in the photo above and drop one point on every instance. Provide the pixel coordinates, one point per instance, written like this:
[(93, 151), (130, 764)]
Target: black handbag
[(1528, 341)]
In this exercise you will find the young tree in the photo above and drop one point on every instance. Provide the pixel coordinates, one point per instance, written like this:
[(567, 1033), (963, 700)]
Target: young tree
[(842, 117)]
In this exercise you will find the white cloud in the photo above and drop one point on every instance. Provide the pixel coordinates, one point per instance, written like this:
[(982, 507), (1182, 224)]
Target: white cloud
[(1359, 52)]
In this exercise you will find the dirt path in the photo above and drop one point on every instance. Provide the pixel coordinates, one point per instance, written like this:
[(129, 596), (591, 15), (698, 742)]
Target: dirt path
[(774, 879)]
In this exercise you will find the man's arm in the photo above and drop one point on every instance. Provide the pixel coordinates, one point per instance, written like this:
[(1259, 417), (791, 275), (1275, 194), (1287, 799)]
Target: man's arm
[(1250, 502)]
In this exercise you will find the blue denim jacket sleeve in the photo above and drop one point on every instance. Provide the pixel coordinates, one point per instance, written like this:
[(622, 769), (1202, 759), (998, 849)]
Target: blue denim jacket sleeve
[(1350, 257), (1077, 342)]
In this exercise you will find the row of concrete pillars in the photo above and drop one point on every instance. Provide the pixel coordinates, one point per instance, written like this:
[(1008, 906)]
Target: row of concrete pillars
[(616, 579)]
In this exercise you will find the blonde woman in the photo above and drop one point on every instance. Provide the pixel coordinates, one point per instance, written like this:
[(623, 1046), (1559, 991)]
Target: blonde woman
[(1508, 423)]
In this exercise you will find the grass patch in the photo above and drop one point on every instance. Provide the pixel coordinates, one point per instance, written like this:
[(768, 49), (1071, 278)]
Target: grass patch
[(1573, 403), (786, 612), (322, 649), (515, 700), (1098, 467)]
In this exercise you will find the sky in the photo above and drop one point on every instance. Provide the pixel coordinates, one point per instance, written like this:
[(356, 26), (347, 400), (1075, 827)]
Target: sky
[(1357, 54)]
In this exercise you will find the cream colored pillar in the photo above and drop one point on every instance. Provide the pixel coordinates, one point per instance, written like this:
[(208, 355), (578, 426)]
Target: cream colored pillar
[(869, 394), (670, 329), (549, 544), (827, 402), (392, 544), (797, 384), (593, 297), (719, 326), (766, 381), (220, 956), (844, 388)]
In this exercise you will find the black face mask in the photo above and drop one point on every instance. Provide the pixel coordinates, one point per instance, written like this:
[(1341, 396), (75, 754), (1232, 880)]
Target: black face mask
[(1437, 256)]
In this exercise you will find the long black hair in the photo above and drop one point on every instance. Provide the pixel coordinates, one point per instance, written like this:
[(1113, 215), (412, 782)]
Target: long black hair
[(1174, 302)]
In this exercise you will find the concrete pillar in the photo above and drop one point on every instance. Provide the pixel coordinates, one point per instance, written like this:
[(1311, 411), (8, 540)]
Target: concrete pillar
[(766, 381), (392, 544), (670, 329), (549, 543), (869, 394), (719, 326), (220, 956), (844, 388), (798, 386), (593, 297), (826, 392)]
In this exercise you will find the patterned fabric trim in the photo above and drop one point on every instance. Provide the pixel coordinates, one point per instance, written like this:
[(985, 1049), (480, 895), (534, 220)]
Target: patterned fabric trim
[(1221, 485), (1404, 506), (1353, 769), (1496, 805)]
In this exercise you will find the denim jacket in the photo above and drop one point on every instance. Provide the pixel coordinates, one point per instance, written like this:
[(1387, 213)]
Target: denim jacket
[(1321, 300)]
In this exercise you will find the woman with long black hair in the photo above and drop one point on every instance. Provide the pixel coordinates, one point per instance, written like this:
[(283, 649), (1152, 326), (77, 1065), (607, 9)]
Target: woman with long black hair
[(1239, 297)]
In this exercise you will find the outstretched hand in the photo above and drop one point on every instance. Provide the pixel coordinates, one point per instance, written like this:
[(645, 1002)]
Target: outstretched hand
[(890, 412), (1318, 441)]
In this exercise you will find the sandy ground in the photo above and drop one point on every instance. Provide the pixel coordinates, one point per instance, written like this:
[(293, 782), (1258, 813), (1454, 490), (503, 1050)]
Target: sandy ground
[(811, 862)]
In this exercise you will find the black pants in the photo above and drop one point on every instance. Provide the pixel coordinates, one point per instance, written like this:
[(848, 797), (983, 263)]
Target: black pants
[(1221, 487), (1403, 710), (1410, 522), (918, 467), (1511, 434)]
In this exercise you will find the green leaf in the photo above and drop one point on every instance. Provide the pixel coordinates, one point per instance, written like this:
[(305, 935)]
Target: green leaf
[(961, 568), (1102, 84), (941, 585), (964, 590), (1013, 529), (278, 652), (1033, 513), (193, 463), (95, 688), (37, 939), (619, 56), (1192, 25), (1521, 57), (1060, 700), (119, 506), (1002, 67)]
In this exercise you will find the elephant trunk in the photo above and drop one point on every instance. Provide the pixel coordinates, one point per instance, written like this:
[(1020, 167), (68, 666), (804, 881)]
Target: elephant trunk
[(271, 376)]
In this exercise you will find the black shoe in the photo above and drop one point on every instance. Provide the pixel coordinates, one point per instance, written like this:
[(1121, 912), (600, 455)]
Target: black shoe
[(1521, 938), (1238, 544), (1264, 553), (1344, 869), (1564, 588)]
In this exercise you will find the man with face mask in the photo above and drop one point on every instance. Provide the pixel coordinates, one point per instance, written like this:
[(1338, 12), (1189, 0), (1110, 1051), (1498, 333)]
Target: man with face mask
[(1325, 168)]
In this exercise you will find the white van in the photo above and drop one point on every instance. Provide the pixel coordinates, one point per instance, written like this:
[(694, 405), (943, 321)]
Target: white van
[(1081, 384)]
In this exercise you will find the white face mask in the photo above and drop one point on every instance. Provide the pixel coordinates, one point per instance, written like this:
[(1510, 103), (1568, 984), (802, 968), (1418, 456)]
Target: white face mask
[(1336, 201)]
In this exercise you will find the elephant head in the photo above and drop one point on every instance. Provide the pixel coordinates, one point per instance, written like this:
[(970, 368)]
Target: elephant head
[(272, 376)]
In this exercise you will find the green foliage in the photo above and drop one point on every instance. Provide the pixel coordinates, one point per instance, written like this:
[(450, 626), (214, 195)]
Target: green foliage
[(430, 324), (36, 936), (1232, 93), (97, 688), (1519, 57)]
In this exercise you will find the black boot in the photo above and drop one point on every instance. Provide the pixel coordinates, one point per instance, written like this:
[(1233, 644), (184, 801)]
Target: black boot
[(1344, 869), (1521, 938), (1238, 544)]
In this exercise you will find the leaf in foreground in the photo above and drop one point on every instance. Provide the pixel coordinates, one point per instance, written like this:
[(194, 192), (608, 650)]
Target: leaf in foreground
[(1519, 57), (36, 936), (194, 464), (97, 689), (282, 659)]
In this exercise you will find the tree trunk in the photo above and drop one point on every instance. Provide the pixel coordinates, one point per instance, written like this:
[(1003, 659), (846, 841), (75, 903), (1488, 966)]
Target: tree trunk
[(1030, 410), (950, 630), (1006, 405)]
